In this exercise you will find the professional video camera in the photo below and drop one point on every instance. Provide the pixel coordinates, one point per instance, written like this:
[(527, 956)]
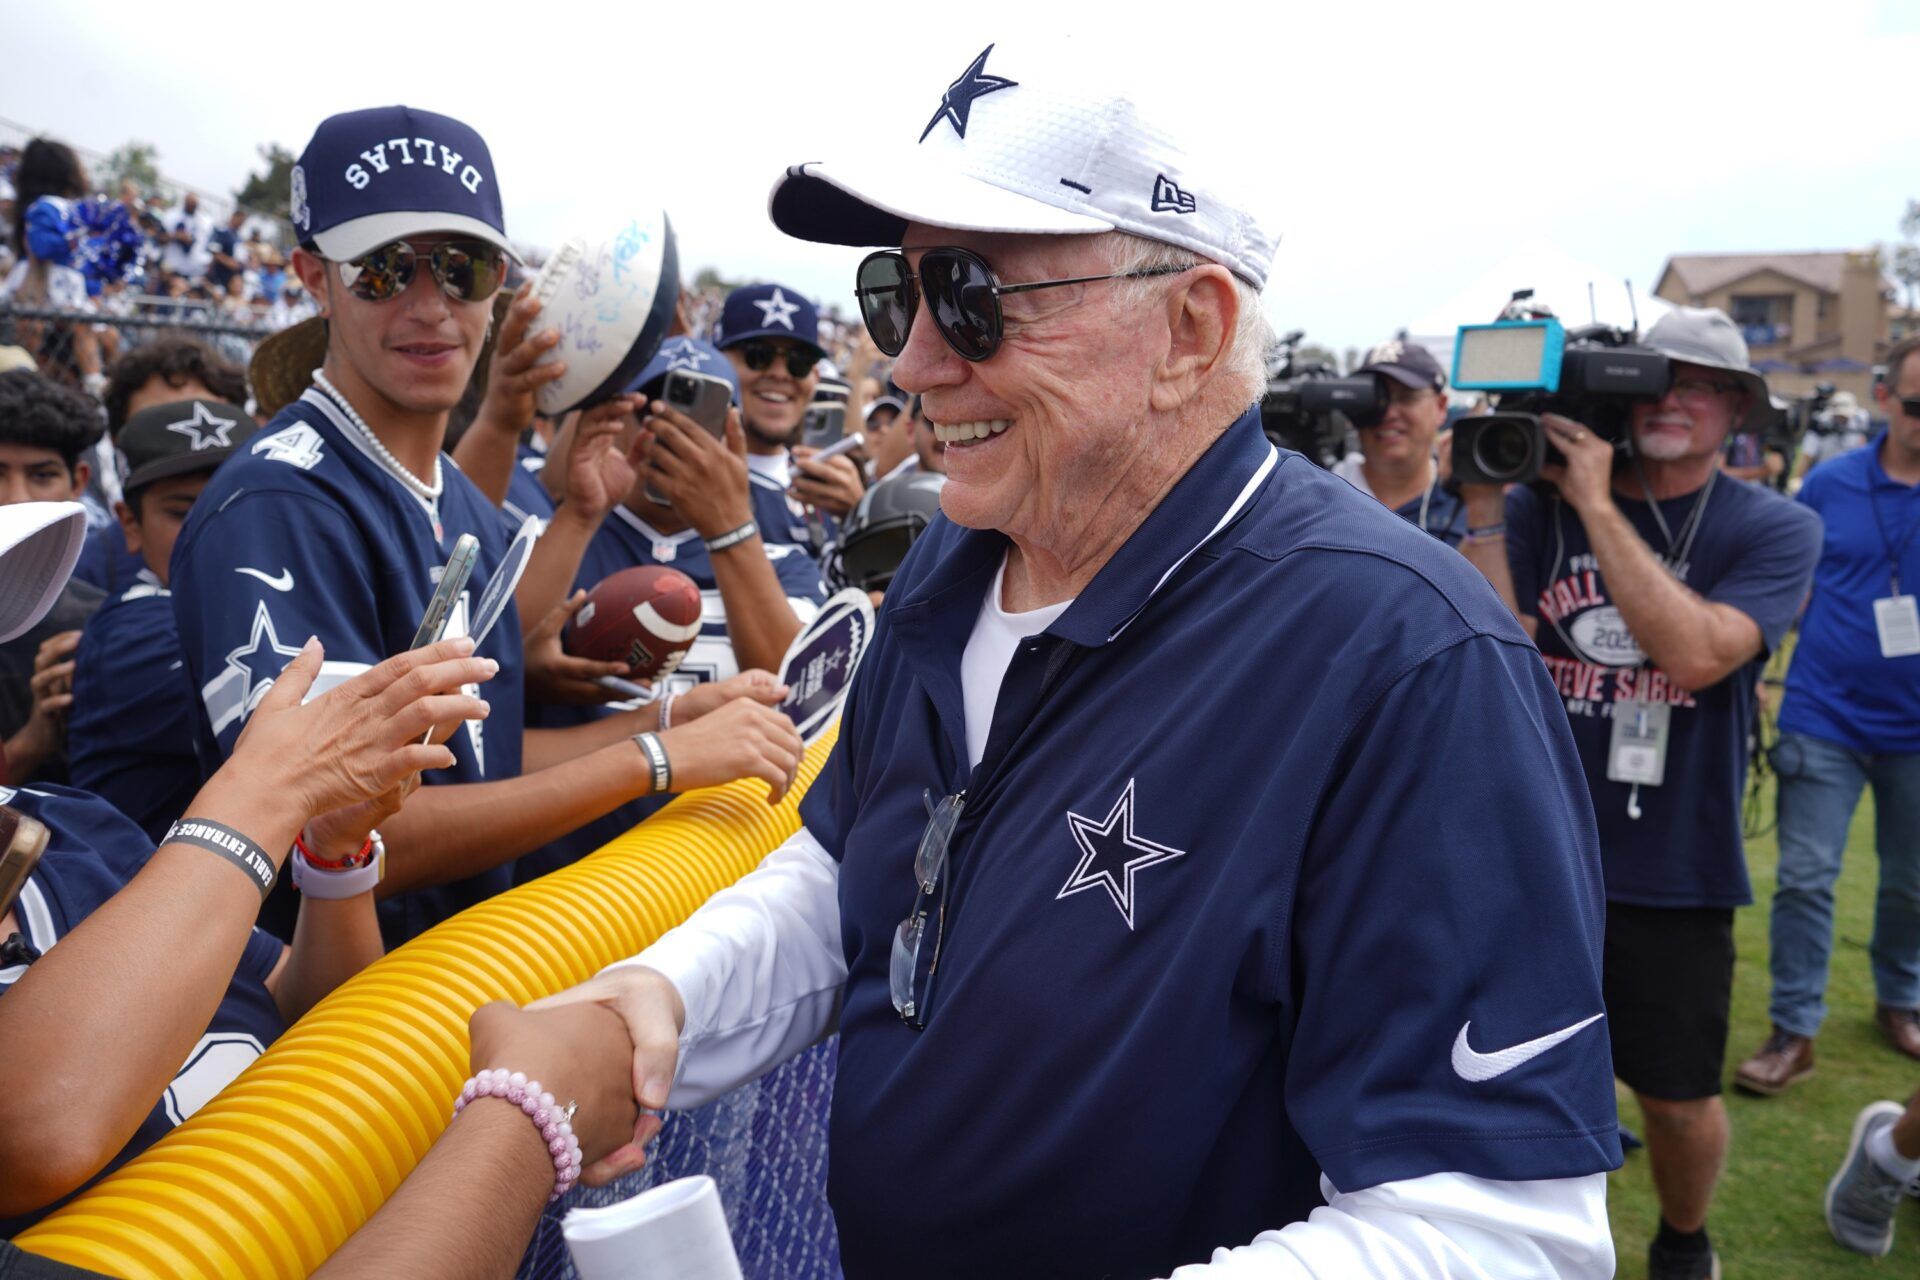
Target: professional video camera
[(1308, 405), (1591, 374)]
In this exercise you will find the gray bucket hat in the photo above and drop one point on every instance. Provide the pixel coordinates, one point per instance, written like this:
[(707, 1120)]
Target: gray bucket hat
[(1705, 336)]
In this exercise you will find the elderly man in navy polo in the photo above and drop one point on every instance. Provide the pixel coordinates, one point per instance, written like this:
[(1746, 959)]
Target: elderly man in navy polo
[(1203, 844)]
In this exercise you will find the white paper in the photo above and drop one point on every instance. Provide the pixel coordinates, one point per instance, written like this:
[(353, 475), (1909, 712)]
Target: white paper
[(675, 1231)]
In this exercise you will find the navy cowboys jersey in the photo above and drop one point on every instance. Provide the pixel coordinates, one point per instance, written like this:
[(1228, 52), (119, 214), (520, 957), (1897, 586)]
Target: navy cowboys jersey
[(526, 496), (308, 533), (1278, 863), (128, 735), (92, 852), (623, 541)]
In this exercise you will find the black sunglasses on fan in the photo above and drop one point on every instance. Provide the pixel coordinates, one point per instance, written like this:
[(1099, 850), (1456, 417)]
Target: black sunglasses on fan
[(961, 291), (759, 353)]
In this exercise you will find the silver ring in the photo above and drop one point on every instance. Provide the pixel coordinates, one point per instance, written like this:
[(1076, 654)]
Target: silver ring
[(1579, 436), (566, 1112)]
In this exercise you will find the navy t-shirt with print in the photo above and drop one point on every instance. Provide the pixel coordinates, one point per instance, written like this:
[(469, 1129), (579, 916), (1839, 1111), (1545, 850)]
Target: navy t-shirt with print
[(306, 533), (130, 734), (623, 541), (1258, 866), (92, 852), (1753, 550)]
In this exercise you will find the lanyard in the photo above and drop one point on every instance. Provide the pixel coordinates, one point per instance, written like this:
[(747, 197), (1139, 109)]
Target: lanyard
[(1893, 552)]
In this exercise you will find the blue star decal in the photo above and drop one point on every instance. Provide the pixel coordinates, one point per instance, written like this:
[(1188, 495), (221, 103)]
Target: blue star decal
[(1110, 855), (261, 659), (685, 354), (957, 103)]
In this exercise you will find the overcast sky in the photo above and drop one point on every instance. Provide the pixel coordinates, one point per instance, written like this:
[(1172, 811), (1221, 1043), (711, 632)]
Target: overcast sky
[(1400, 149)]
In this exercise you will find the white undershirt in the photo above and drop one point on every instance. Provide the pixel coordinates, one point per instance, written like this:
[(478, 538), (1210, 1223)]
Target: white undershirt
[(777, 467), (996, 633)]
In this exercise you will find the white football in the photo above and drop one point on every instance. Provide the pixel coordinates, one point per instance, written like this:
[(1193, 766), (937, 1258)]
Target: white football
[(612, 296)]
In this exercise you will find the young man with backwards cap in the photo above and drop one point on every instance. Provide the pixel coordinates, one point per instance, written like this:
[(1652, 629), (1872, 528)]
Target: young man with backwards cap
[(1397, 462), (337, 519), (1655, 588), (1113, 1000), (127, 735)]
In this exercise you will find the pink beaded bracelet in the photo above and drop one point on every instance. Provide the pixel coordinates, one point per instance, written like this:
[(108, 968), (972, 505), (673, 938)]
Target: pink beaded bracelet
[(553, 1121)]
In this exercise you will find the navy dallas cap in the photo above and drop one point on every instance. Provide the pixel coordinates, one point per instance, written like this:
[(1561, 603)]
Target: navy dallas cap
[(177, 438), (767, 311), (370, 177)]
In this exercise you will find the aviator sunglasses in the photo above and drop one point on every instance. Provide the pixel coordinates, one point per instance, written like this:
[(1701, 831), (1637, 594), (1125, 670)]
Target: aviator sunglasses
[(465, 270), (963, 293)]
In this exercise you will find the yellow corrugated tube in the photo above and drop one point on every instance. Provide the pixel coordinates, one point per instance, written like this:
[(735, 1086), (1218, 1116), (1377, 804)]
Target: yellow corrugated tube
[(273, 1175)]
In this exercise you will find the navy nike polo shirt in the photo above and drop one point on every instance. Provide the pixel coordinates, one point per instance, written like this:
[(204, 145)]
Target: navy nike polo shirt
[(1271, 852)]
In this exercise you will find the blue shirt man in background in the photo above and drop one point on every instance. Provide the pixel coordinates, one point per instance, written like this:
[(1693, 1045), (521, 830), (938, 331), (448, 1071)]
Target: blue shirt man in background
[(1165, 973), (1851, 719)]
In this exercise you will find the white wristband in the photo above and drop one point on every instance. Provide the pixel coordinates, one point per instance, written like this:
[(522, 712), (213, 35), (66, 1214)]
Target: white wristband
[(330, 885)]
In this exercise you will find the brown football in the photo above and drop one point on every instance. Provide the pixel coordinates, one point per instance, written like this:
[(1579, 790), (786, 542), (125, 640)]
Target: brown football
[(647, 617)]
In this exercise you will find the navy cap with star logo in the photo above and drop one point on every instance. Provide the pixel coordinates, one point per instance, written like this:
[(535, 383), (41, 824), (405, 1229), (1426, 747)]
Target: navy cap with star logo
[(690, 354), (767, 311), (371, 177), (175, 439)]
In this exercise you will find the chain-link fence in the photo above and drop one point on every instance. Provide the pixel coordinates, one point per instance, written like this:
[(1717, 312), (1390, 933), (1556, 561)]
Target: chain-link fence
[(66, 344), (765, 1144)]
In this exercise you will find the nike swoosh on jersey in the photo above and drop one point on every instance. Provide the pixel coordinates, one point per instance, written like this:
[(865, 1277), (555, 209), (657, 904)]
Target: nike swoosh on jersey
[(282, 583), (1477, 1067)]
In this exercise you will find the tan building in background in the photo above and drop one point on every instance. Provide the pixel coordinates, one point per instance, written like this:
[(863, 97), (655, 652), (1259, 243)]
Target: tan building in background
[(1808, 317)]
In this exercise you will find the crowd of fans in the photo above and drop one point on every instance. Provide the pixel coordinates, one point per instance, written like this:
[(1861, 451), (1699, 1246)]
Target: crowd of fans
[(202, 494)]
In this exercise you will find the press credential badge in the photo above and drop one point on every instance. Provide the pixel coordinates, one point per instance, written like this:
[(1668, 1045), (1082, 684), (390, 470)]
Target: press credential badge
[(1638, 750), (1899, 624)]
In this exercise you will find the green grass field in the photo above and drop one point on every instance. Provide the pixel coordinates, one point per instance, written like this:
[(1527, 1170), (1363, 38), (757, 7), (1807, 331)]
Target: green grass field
[(1766, 1219)]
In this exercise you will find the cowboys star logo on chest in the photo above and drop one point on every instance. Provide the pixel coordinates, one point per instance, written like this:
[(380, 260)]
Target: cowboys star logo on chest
[(1112, 855)]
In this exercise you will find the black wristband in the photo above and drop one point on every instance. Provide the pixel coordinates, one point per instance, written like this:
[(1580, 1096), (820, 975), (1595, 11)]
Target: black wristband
[(732, 537), (229, 844), (649, 744)]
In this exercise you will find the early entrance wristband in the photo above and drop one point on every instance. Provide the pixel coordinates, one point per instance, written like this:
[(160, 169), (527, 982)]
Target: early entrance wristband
[(229, 844)]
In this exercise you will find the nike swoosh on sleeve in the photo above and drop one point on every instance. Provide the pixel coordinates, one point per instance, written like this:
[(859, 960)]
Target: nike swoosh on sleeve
[(1478, 1067), (282, 583)]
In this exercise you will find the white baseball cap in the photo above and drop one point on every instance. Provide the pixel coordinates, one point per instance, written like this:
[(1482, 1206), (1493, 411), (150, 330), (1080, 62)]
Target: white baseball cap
[(1020, 144), (39, 544)]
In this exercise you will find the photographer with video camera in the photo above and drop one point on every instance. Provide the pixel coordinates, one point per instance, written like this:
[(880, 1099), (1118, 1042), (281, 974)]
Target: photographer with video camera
[(1655, 587), (1396, 462)]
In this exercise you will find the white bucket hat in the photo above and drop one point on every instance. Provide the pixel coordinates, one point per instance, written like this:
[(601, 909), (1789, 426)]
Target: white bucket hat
[(1705, 336)]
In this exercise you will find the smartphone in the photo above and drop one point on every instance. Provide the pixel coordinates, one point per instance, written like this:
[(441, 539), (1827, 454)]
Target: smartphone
[(453, 580), (702, 397), (846, 444), (22, 841), (823, 425)]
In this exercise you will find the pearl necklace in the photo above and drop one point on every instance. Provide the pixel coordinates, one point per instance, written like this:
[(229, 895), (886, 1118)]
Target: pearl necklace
[(428, 493)]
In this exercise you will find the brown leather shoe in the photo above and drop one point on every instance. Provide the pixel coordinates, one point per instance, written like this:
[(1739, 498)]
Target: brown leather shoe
[(1785, 1059), (1901, 1027)]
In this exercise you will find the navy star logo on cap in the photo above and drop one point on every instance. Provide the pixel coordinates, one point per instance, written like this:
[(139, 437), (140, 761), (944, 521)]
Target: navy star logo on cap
[(1111, 854), (957, 103), (776, 309), (205, 430)]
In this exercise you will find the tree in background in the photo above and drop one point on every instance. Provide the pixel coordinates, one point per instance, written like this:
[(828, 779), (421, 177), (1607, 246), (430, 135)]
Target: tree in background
[(267, 192), (135, 162), (1903, 260)]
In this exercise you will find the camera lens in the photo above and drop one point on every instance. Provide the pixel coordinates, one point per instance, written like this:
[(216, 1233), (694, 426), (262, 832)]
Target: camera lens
[(1502, 451)]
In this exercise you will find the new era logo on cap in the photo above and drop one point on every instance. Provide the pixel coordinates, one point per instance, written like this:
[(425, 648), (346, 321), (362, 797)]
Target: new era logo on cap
[(371, 177), (1169, 198), (1028, 140)]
